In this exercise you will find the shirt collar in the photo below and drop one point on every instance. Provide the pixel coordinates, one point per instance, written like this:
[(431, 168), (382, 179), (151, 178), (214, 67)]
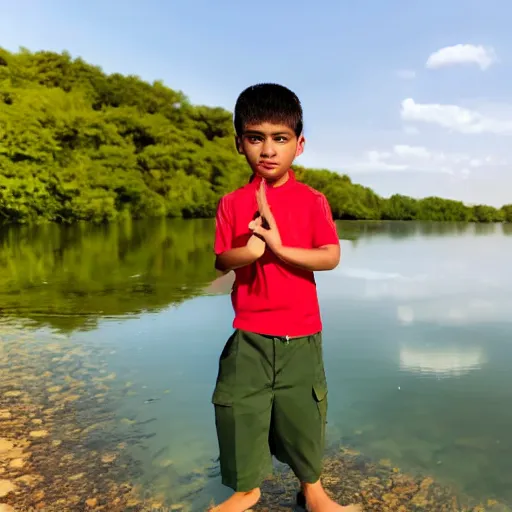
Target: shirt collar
[(291, 179)]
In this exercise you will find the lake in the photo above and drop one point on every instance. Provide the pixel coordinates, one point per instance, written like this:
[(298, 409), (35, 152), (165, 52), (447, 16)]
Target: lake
[(417, 336)]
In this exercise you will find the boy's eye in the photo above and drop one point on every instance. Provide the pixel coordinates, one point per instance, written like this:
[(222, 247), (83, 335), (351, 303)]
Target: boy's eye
[(257, 138)]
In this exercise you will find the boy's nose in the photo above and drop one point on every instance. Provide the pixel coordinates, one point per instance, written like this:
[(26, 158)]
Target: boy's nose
[(267, 149)]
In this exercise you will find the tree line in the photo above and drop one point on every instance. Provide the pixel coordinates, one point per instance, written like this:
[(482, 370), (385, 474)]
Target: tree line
[(79, 144)]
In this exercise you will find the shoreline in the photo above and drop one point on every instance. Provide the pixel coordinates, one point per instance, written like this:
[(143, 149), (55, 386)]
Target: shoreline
[(59, 449), (351, 478), (4, 225), (62, 449)]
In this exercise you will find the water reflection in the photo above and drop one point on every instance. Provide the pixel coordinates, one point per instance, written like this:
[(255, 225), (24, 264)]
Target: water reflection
[(463, 311), (417, 338), (442, 360), (69, 276), (407, 229)]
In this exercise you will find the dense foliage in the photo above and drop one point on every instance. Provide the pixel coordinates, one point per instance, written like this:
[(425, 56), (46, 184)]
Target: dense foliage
[(78, 144)]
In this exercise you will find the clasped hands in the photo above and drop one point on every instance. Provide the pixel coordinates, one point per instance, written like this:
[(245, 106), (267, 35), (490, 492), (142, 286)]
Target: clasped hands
[(263, 235)]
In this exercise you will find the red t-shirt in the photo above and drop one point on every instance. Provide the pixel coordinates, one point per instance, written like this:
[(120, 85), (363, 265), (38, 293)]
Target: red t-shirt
[(269, 296)]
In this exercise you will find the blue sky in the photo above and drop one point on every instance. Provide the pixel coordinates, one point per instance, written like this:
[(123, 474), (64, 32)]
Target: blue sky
[(406, 97)]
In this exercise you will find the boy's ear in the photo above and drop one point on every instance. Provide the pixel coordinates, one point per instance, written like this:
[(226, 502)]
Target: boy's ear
[(300, 145), (238, 144)]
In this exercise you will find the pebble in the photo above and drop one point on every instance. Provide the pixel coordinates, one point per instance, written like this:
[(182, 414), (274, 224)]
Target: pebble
[(38, 495), (28, 480), (6, 445), (5, 414), (38, 433), (91, 502), (15, 453), (109, 457), (77, 476), (17, 463), (13, 394), (6, 487)]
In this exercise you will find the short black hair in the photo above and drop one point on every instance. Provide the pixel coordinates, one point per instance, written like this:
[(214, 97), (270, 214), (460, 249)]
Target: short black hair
[(271, 103)]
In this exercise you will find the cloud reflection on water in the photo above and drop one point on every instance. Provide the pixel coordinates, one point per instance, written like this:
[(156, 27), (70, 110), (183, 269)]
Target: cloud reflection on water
[(442, 361)]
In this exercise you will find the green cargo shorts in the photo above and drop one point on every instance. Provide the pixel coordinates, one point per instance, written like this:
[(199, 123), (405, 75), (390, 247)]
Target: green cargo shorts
[(270, 398)]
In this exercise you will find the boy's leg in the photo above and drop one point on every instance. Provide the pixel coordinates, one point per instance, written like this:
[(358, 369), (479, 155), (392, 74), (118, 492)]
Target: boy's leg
[(299, 416), (243, 406), (300, 406)]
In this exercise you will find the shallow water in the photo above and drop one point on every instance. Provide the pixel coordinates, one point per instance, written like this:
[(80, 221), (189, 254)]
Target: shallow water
[(417, 334)]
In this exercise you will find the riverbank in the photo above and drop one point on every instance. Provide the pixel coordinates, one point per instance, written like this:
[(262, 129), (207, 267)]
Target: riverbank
[(350, 477), (63, 447), (60, 449)]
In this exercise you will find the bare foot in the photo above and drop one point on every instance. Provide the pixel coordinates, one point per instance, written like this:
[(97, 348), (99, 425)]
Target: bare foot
[(318, 501), (239, 502)]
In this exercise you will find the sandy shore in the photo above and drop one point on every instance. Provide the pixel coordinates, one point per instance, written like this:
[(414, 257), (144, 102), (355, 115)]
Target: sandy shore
[(349, 477), (61, 448)]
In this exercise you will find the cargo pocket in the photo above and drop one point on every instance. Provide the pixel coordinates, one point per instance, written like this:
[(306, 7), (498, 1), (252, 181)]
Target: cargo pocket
[(226, 376), (320, 381), (222, 398), (320, 394)]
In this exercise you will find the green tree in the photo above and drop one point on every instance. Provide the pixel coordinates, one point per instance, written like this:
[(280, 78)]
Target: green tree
[(483, 213), (506, 212), (79, 144)]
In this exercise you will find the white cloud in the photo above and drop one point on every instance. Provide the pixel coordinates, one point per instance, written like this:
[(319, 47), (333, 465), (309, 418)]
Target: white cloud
[(403, 157), (411, 130), (406, 74), (462, 54), (455, 118), (403, 150)]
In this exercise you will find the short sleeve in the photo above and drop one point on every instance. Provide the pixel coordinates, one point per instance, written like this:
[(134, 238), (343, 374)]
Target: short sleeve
[(223, 227), (324, 227)]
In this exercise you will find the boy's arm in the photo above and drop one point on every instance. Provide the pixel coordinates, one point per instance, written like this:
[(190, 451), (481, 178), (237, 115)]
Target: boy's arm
[(240, 256), (227, 257), (326, 252), (326, 257)]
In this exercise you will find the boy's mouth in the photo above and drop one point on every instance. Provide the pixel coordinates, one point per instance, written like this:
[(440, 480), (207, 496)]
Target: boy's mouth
[(268, 166)]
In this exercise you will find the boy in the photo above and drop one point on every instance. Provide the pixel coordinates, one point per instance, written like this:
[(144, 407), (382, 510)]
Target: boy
[(274, 232)]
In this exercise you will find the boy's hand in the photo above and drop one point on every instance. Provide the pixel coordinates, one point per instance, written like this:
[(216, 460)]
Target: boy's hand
[(255, 244), (270, 234)]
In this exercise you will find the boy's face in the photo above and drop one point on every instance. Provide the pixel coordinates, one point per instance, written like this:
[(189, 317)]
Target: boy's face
[(270, 149)]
